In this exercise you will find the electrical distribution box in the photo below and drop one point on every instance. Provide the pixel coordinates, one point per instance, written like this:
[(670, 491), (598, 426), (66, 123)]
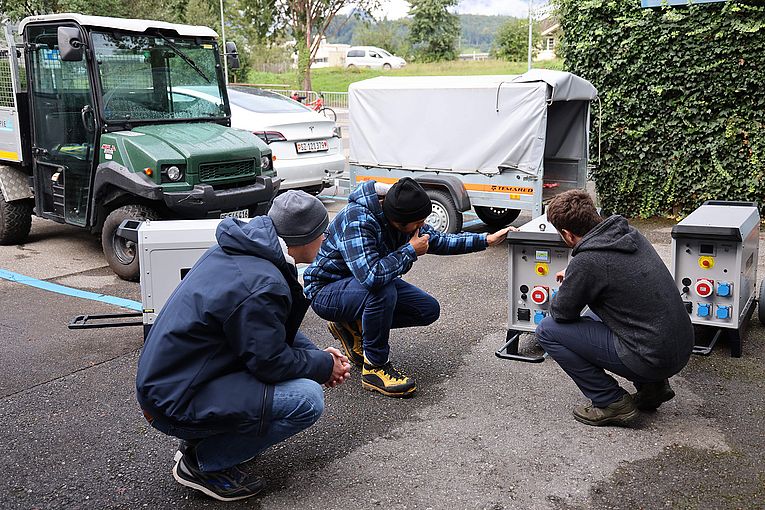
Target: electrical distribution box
[(714, 263), (536, 253), (167, 251)]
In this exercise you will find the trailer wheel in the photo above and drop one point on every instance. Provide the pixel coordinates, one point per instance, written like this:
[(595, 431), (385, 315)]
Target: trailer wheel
[(445, 216), (15, 220), (496, 217), (761, 303), (122, 254)]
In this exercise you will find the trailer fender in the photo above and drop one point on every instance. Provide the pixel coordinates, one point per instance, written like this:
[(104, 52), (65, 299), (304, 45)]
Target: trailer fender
[(14, 184), (450, 183)]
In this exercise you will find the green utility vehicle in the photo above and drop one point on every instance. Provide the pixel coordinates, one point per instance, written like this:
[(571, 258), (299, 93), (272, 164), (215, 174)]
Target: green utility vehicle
[(92, 132)]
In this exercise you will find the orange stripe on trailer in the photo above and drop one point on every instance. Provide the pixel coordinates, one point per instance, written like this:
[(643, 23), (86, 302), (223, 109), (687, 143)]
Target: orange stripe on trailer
[(490, 188)]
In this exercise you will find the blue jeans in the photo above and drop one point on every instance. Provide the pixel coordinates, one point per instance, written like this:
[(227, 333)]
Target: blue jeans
[(297, 405), (585, 350), (396, 305)]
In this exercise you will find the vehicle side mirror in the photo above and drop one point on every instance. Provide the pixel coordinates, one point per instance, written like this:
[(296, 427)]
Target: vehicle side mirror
[(70, 44), (232, 56)]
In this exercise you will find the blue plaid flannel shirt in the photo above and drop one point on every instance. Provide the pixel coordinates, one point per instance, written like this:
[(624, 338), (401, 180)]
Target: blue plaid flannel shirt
[(361, 243)]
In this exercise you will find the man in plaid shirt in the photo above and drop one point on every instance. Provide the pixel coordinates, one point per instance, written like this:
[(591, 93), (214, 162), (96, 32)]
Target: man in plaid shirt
[(355, 280)]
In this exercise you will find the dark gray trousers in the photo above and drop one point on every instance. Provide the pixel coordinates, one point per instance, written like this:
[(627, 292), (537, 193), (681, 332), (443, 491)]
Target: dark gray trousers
[(585, 350)]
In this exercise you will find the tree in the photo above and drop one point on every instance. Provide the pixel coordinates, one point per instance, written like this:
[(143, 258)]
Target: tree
[(385, 34), (512, 41), (309, 20), (434, 29)]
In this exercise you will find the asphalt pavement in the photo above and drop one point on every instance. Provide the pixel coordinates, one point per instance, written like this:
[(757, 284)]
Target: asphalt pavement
[(481, 432)]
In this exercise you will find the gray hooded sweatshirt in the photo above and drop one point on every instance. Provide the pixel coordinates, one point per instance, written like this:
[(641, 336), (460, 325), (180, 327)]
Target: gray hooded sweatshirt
[(617, 273)]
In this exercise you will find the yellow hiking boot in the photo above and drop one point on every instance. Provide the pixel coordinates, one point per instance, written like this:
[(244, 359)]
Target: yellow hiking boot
[(349, 336), (386, 380)]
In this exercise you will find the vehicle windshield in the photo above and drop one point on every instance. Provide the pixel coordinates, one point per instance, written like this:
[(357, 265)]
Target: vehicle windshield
[(385, 53), (263, 101), (139, 74)]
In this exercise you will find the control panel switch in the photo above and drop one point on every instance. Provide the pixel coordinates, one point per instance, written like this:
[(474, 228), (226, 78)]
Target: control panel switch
[(703, 310)]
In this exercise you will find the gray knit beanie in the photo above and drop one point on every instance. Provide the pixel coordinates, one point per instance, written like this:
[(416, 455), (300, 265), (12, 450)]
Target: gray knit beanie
[(298, 217)]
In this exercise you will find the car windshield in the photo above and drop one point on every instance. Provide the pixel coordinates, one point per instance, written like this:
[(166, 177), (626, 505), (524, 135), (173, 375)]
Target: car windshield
[(139, 74), (385, 53), (263, 101)]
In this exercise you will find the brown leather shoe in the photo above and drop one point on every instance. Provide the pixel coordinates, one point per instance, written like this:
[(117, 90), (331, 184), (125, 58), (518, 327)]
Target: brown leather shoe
[(620, 412)]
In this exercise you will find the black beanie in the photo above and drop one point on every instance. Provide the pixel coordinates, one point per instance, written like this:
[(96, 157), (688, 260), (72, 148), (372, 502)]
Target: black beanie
[(407, 201)]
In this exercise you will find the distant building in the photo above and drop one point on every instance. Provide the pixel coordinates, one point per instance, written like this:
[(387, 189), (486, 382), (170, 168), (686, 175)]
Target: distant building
[(551, 33), (330, 54)]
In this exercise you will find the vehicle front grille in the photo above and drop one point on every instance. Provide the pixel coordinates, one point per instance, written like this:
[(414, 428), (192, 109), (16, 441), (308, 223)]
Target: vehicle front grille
[(226, 170)]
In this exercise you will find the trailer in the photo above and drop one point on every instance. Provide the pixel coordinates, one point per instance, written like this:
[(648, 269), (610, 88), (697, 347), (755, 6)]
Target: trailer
[(93, 131), (498, 144)]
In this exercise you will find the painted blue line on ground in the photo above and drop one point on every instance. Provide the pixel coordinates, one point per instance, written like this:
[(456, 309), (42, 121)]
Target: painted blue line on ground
[(69, 291), (334, 197), (471, 223)]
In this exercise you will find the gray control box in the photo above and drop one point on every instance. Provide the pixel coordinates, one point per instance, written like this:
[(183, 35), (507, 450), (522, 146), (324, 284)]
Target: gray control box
[(167, 251), (714, 263), (536, 253)]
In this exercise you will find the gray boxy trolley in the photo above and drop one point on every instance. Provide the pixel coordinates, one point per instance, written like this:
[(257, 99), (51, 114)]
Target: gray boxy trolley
[(714, 263), (537, 252)]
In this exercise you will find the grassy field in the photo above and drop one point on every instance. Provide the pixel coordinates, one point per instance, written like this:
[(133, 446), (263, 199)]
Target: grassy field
[(335, 79)]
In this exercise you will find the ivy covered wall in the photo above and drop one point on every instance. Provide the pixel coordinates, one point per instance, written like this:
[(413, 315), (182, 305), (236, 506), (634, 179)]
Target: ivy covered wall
[(683, 100)]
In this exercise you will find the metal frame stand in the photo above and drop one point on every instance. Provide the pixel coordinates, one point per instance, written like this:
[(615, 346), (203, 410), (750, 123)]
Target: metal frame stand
[(95, 321), (510, 349)]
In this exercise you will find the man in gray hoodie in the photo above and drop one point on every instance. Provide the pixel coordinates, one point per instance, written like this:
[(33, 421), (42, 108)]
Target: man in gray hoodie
[(637, 326)]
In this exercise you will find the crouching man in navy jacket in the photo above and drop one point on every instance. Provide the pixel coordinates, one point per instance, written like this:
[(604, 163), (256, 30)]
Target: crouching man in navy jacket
[(224, 367)]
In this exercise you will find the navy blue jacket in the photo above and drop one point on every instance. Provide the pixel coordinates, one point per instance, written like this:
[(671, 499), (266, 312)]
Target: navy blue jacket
[(227, 333)]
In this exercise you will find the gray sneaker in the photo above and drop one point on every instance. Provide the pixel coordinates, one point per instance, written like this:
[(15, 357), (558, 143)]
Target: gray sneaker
[(652, 395), (226, 485), (620, 412)]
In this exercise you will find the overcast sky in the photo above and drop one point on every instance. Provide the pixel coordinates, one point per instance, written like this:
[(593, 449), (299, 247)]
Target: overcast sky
[(398, 8)]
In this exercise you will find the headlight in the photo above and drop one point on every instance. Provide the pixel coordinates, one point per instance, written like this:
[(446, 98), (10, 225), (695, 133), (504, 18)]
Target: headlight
[(266, 163), (174, 173)]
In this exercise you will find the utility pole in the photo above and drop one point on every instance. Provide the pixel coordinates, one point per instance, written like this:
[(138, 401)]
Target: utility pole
[(223, 36), (530, 24)]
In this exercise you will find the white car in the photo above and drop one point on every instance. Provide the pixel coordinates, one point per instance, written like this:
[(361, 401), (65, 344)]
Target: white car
[(372, 57), (306, 146)]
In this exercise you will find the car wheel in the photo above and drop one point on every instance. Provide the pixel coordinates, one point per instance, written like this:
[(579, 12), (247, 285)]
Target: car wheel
[(387, 67), (496, 217), (351, 67), (122, 254), (445, 217)]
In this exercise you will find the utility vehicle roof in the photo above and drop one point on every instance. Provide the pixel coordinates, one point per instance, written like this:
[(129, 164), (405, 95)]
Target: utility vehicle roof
[(128, 25)]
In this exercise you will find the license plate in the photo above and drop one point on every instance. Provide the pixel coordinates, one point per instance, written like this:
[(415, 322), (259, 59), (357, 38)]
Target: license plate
[(314, 146), (242, 214)]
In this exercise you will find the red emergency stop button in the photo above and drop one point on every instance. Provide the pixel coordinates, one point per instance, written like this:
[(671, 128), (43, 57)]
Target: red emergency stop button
[(540, 295), (704, 287)]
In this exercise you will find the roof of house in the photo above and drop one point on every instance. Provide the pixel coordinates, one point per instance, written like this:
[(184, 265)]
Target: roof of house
[(549, 25)]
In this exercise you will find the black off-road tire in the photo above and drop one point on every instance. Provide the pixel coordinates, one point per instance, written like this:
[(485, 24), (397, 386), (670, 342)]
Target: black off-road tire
[(121, 254), (496, 217), (15, 220), (450, 219)]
